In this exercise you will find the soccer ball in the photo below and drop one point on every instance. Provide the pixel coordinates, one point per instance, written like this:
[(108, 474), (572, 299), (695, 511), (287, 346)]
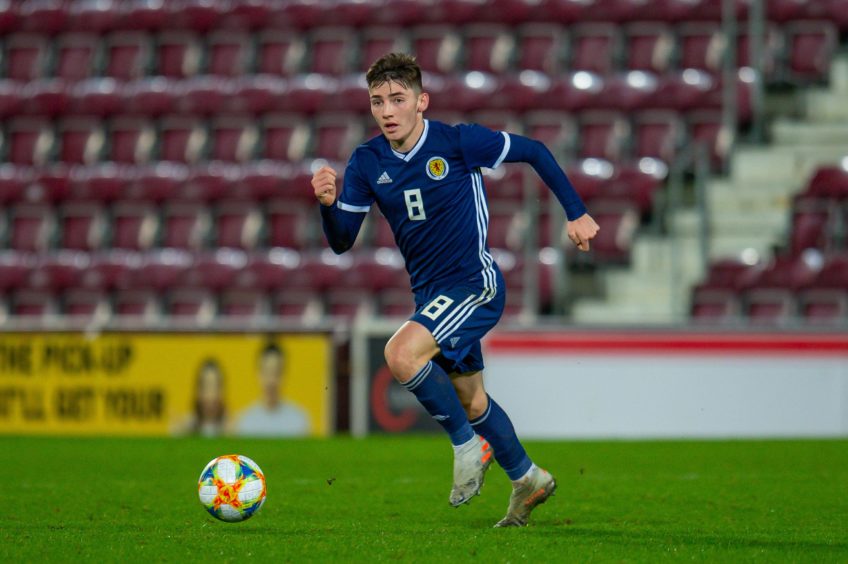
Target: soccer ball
[(232, 488)]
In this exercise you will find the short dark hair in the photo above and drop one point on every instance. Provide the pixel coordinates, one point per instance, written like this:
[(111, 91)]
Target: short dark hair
[(395, 67), (271, 347)]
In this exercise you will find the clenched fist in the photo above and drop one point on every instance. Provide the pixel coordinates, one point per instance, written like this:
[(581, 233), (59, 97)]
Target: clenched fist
[(324, 184)]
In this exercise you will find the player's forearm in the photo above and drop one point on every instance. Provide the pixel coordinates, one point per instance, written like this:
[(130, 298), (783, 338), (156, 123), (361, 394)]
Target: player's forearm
[(340, 227), (524, 149)]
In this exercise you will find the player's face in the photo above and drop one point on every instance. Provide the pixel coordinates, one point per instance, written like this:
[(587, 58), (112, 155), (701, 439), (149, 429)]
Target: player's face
[(399, 113)]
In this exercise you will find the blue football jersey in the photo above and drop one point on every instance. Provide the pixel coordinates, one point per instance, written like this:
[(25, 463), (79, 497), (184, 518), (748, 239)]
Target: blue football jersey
[(434, 200)]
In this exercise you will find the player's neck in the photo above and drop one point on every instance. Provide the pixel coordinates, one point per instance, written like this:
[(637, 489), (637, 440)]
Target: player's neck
[(406, 145)]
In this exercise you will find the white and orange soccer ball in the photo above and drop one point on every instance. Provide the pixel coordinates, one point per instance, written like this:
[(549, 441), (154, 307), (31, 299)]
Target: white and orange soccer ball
[(232, 488)]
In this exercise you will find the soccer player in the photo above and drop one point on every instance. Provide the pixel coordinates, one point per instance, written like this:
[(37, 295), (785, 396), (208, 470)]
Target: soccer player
[(425, 177)]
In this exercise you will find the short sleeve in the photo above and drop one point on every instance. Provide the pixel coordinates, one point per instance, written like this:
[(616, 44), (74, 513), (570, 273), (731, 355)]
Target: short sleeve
[(481, 146), (356, 193)]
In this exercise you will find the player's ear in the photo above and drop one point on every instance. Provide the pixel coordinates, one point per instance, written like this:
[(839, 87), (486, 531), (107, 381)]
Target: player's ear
[(423, 102)]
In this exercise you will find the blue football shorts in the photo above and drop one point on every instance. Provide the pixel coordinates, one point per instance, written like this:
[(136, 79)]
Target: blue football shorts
[(458, 319)]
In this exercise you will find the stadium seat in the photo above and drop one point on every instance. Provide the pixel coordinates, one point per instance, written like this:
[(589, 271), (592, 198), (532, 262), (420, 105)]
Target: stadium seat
[(286, 137), (96, 97), (505, 185), (238, 224), (436, 48), (243, 304), (131, 140), (128, 55), (160, 270), (268, 270), (194, 306), (810, 46), (347, 304), (182, 139), (397, 303), (95, 16), (657, 134), (603, 135), (829, 182), (15, 269), (336, 136), (186, 225), (204, 95), (288, 226), (649, 46), (28, 141), (34, 304), (706, 127), (111, 269), (26, 56), (488, 48), (215, 270), (632, 185), (823, 307), (11, 98), (280, 52), (84, 305), (178, 54), (833, 274), (135, 225), (233, 138), (771, 307), (83, 226), (305, 305), (229, 53), (712, 306), (140, 304), (331, 50), (541, 47), (812, 225), (374, 42), (151, 97), (77, 56), (59, 270), (595, 48), (103, 183), (81, 140), (31, 227)]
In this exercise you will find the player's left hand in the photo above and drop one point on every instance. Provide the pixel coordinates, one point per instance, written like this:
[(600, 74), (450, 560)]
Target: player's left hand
[(581, 231)]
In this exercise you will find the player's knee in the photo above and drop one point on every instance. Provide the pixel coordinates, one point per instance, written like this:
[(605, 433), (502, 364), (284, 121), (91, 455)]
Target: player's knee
[(476, 405), (399, 360)]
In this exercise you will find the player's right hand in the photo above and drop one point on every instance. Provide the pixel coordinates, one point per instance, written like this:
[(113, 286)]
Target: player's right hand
[(324, 184)]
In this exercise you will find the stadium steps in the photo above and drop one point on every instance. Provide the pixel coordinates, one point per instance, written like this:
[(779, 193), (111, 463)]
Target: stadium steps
[(748, 210)]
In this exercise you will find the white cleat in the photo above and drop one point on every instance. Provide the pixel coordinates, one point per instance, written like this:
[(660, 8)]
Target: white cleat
[(469, 467), (533, 490)]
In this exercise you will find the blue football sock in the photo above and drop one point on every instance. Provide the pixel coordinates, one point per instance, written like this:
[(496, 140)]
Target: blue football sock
[(494, 426), (432, 386)]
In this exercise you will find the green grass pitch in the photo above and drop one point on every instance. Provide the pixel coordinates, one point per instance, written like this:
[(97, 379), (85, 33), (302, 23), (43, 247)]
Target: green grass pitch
[(386, 499)]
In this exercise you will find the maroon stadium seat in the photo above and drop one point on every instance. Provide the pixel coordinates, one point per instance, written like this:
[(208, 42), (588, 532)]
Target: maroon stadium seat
[(95, 16), (31, 227), (238, 224), (243, 304), (86, 305), (137, 304), (60, 270), (128, 55), (810, 46), (76, 55), (823, 307), (397, 303), (286, 137), (488, 48), (303, 304), (111, 269), (506, 227), (336, 136), (715, 306), (268, 270), (233, 138), (132, 140), (834, 273), (632, 185), (436, 48), (196, 306), (26, 56), (29, 141), (829, 182), (185, 225), (603, 135), (505, 185), (204, 95), (178, 54), (657, 134), (595, 48), (134, 225), (347, 304), (215, 270), (103, 183), (229, 53), (771, 306), (151, 97), (83, 226), (288, 226), (280, 52), (34, 304), (706, 127), (15, 269), (331, 50), (649, 47), (160, 269), (727, 274), (11, 98), (182, 139), (81, 140), (378, 41), (541, 47), (812, 225), (100, 97)]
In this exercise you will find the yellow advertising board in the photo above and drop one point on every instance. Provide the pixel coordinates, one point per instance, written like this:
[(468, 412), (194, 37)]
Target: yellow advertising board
[(166, 383)]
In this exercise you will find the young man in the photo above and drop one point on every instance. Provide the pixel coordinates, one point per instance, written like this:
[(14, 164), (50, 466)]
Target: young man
[(425, 178)]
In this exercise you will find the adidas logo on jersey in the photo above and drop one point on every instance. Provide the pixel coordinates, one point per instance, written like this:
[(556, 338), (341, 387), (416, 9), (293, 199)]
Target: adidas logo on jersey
[(454, 341), (384, 178)]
